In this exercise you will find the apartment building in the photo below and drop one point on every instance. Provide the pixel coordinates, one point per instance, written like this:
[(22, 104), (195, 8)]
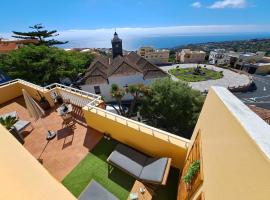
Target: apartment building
[(242, 58), (218, 57), (188, 56), (155, 56), (230, 146)]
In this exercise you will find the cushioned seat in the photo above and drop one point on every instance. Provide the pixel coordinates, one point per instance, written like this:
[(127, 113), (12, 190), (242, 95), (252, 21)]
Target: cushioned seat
[(138, 165), (153, 170), (128, 160), (20, 125), (95, 191)]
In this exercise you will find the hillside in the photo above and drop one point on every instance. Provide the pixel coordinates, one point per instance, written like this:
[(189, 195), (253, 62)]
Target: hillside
[(252, 45)]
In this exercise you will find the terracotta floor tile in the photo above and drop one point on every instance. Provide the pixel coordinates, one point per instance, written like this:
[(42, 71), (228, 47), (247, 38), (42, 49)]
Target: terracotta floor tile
[(64, 152)]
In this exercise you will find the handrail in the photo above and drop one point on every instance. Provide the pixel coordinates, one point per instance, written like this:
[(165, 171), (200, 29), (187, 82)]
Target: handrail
[(139, 124), (9, 82), (49, 87), (93, 105)]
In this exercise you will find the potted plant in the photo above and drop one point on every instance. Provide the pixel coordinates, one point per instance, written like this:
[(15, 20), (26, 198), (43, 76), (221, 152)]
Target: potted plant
[(43, 102), (191, 173), (8, 121)]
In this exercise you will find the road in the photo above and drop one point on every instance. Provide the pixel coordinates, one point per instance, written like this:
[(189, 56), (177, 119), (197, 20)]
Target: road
[(259, 97)]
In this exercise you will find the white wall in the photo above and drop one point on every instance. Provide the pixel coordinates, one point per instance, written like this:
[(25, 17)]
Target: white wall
[(120, 81)]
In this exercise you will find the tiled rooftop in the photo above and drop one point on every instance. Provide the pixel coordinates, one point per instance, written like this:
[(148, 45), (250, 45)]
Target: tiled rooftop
[(63, 153)]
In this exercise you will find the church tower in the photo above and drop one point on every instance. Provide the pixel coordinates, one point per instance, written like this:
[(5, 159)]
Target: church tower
[(116, 46)]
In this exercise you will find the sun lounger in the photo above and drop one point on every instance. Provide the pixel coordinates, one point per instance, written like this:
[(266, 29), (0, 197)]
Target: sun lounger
[(140, 166)]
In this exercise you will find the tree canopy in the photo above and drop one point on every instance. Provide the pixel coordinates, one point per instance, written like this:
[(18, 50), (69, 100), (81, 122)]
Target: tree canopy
[(39, 33), (173, 106), (44, 65)]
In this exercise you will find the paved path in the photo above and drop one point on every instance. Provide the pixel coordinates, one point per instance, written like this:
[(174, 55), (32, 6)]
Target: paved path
[(229, 79)]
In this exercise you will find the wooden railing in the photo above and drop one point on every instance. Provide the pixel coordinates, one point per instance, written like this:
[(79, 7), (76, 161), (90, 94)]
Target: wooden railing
[(185, 191)]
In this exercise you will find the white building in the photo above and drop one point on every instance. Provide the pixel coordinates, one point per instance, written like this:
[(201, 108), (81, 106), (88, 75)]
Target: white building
[(155, 56), (123, 70), (218, 57)]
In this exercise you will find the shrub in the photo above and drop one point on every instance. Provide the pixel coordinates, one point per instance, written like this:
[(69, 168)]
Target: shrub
[(192, 171), (8, 122)]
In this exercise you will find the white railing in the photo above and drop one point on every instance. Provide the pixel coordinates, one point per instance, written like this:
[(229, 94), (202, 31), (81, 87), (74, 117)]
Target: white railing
[(77, 97), (71, 89), (82, 98), (138, 125)]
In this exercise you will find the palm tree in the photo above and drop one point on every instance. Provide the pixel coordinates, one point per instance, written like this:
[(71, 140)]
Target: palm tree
[(118, 93), (137, 91)]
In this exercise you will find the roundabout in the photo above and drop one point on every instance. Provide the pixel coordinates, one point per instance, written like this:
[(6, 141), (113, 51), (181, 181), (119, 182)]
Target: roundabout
[(218, 76)]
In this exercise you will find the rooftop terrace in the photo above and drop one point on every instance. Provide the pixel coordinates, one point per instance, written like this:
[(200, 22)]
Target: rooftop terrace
[(78, 153), (230, 141)]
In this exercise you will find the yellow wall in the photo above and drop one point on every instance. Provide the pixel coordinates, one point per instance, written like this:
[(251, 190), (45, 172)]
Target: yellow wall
[(139, 139), (22, 177), (233, 165), (10, 91), (13, 90)]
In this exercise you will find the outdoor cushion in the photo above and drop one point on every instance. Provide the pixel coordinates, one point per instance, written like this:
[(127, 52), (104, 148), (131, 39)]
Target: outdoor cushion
[(21, 125), (153, 170), (12, 114), (95, 191), (128, 160)]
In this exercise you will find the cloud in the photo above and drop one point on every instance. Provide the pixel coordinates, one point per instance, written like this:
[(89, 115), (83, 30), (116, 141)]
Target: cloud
[(228, 4), (196, 4)]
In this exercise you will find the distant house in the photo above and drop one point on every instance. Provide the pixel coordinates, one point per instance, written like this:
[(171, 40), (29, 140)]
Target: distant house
[(6, 46), (3, 77), (242, 58), (122, 70), (188, 56), (155, 56), (218, 57)]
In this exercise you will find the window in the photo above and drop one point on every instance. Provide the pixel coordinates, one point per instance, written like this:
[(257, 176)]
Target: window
[(97, 89)]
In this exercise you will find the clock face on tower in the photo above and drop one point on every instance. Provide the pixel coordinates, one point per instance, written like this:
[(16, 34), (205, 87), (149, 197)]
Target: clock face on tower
[(116, 45)]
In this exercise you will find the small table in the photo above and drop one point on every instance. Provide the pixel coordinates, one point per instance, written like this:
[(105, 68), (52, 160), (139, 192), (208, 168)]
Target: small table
[(147, 195), (50, 135), (61, 112)]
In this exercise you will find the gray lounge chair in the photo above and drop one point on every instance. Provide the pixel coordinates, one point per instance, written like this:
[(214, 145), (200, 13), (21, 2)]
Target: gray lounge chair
[(18, 127), (140, 166), (95, 191)]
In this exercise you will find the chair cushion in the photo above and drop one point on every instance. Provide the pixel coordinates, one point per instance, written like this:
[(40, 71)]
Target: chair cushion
[(95, 191), (21, 124), (153, 170), (128, 160), (12, 114)]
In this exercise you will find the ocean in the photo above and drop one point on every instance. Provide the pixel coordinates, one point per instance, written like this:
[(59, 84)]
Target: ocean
[(164, 41)]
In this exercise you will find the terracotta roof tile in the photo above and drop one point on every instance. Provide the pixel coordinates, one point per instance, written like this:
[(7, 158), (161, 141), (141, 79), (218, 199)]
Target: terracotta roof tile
[(107, 67)]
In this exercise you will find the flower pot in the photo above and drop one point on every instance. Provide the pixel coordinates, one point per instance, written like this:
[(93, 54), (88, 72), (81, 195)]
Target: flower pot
[(44, 105)]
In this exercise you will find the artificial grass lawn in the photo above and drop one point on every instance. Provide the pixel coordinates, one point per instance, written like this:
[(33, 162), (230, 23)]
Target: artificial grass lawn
[(186, 74), (94, 166)]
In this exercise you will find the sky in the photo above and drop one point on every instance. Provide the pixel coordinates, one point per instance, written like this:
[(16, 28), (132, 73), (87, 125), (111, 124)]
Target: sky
[(133, 18)]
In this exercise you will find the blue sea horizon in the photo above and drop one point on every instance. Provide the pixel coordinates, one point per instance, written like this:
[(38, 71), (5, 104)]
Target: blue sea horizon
[(167, 41)]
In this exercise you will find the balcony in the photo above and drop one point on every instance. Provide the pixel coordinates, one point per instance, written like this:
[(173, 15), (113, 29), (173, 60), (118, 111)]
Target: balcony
[(78, 153)]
